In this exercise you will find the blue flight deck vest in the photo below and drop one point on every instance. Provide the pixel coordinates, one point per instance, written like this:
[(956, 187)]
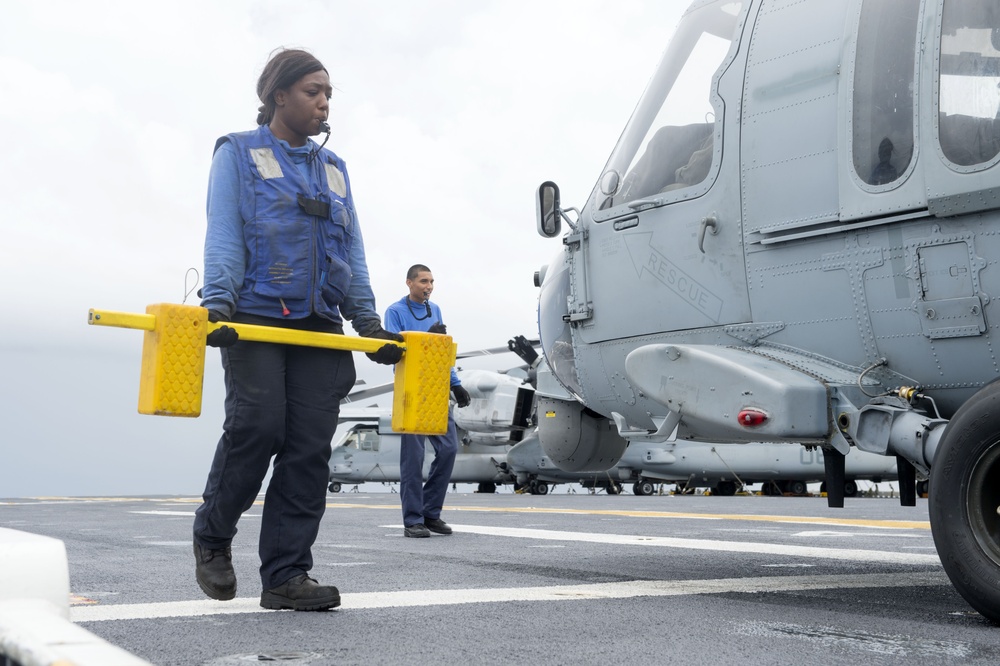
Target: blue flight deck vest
[(298, 235)]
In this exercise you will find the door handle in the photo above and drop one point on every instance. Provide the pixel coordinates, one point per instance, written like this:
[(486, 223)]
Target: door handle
[(708, 222)]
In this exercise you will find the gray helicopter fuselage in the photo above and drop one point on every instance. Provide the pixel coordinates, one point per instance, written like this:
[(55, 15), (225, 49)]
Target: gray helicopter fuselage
[(833, 208)]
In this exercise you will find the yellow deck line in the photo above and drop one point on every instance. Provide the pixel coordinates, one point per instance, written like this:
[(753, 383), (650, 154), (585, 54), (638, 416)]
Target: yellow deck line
[(812, 520), (805, 520)]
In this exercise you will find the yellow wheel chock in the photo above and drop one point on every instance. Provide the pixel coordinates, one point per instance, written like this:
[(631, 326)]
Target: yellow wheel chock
[(173, 362)]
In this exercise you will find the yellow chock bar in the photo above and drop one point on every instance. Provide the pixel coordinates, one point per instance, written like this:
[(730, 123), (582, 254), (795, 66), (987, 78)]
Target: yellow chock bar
[(173, 362)]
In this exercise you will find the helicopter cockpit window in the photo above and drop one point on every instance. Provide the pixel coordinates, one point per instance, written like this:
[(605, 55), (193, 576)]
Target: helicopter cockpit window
[(362, 439), (668, 145), (883, 90), (969, 84)]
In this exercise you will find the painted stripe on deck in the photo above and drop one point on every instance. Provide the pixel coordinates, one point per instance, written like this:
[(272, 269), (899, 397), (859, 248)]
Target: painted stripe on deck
[(806, 520), (623, 590), (333, 504), (880, 556)]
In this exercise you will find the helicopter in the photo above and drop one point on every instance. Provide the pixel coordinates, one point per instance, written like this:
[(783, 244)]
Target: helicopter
[(369, 452), (792, 241), (499, 413), (499, 445)]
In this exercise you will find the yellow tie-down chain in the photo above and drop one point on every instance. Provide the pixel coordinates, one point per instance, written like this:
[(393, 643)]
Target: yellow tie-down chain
[(173, 362)]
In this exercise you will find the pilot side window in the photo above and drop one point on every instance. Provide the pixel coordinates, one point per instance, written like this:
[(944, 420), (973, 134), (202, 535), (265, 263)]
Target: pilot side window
[(883, 90), (668, 144), (362, 439), (969, 83)]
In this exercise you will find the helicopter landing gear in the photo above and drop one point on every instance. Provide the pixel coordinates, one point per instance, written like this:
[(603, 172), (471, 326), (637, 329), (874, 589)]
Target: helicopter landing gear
[(334, 487), (487, 487), (643, 487), (965, 504), (538, 488), (796, 487)]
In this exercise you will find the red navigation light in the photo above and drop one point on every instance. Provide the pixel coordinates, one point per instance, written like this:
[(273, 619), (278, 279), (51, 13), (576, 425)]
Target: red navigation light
[(751, 417)]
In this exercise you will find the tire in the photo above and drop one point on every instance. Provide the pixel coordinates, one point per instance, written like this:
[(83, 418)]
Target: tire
[(796, 487), (334, 487), (540, 488), (963, 507), (487, 487), (850, 489), (646, 487)]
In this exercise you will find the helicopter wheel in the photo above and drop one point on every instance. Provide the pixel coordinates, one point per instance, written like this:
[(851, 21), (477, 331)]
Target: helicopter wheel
[(539, 488), (850, 489), (645, 487), (334, 487), (614, 489), (965, 504), (797, 487)]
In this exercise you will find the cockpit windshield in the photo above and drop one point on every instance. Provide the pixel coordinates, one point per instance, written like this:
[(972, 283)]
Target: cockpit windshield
[(668, 145), (361, 438)]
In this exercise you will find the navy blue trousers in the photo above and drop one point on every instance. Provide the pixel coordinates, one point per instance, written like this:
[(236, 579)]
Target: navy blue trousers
[(424, 500), (282, 401)]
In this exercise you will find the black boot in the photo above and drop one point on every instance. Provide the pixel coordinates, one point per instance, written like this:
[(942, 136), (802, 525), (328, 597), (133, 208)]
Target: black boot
[(214, 571), (301, 593)]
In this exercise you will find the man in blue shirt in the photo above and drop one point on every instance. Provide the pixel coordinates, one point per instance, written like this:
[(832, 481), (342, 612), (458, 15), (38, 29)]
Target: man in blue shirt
[(422, 502)]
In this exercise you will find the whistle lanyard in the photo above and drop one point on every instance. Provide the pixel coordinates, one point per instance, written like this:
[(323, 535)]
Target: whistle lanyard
[(427, 304)]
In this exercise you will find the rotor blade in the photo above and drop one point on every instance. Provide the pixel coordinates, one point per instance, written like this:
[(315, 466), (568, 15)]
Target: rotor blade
[(364, 394)]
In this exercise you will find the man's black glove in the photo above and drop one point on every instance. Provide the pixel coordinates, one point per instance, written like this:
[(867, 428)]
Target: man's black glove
[(438, 327), (222, 336), (462, 397), (386, 354)]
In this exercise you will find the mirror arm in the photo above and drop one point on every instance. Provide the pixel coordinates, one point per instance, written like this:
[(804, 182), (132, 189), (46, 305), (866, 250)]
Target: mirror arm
[(572, 225)]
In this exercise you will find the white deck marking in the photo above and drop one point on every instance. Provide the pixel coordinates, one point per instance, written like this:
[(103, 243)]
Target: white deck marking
[(625, 590), (881, 556)]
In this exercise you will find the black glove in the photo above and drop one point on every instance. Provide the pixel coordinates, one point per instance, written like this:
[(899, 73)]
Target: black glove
[(386, 354), (222, 336), (462, 397), (438, 327)]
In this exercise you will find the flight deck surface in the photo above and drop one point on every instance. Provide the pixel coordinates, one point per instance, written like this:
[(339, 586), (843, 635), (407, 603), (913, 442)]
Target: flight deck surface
[(563, 578)]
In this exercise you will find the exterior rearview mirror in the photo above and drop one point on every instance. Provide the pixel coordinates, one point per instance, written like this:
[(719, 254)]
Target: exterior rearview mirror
[(547, 212)]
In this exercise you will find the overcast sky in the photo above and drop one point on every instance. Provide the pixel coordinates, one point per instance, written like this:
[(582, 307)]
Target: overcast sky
[(448, 114)]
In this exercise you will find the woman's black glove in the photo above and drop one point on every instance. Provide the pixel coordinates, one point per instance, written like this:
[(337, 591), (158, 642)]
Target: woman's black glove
[(438, 327), (387, 354), (222, 336)]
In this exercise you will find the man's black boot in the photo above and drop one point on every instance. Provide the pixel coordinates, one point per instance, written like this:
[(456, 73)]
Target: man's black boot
[(301, 593), (214, 571)]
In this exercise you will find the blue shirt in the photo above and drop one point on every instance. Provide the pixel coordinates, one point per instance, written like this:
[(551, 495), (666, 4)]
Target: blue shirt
[(406, 315)]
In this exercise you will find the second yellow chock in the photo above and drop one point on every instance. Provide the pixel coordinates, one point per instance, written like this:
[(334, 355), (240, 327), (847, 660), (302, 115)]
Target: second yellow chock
[(173, 363)]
